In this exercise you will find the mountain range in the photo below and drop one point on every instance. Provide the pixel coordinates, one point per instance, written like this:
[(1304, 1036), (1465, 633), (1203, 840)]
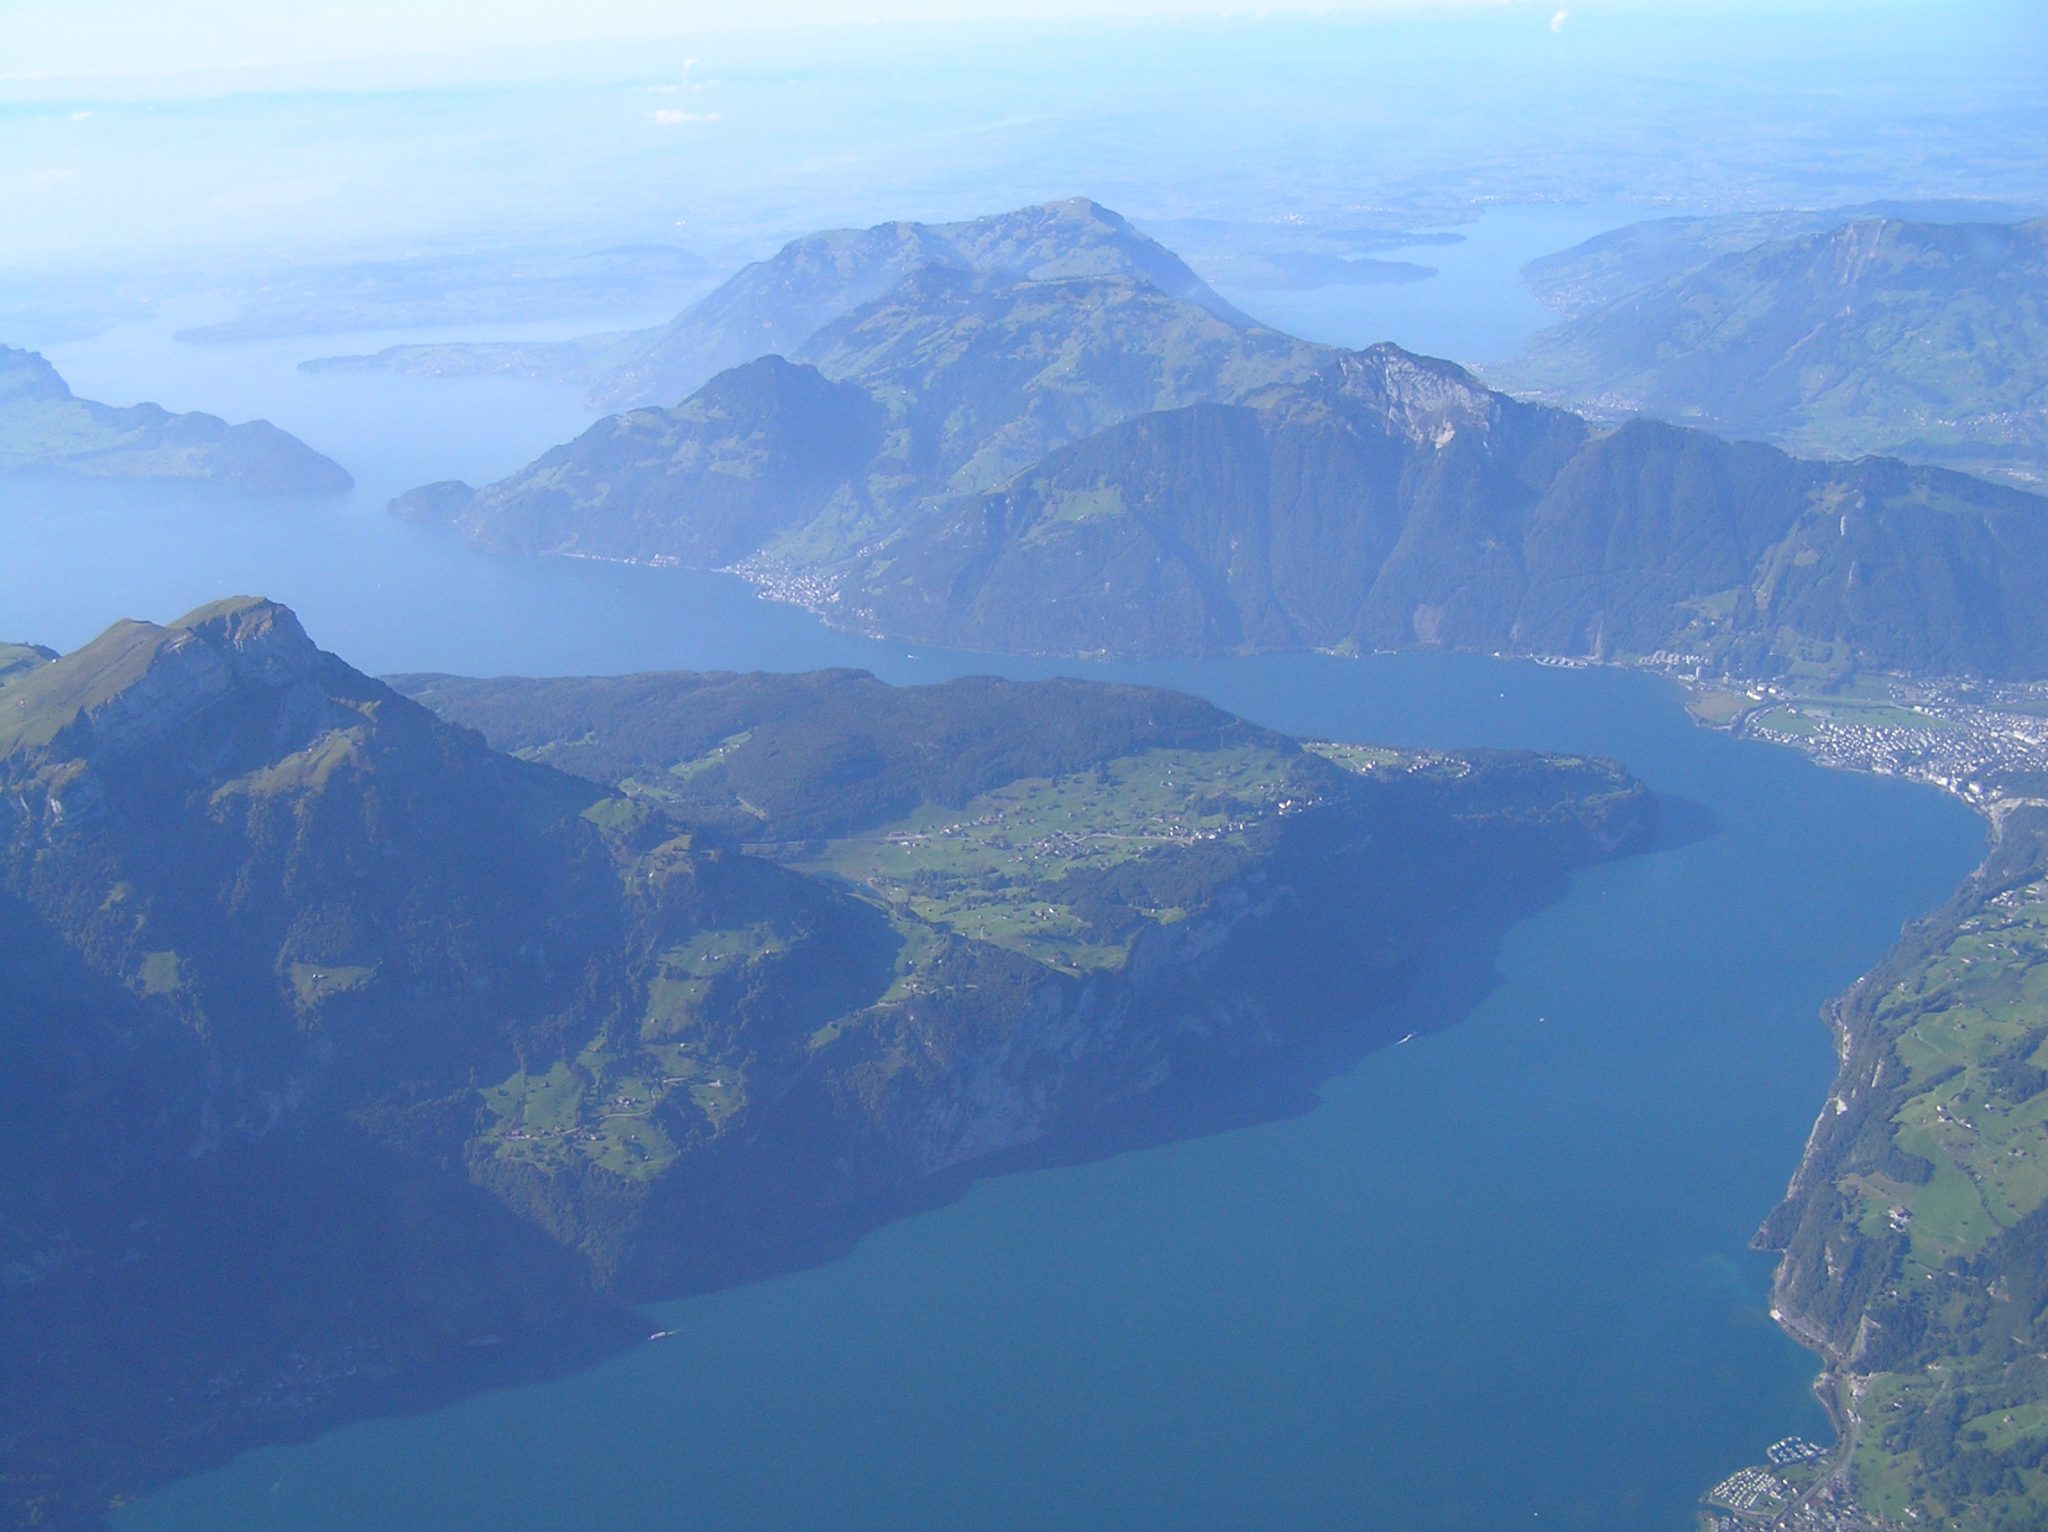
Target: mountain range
[(1927, 340), (1092, 465), (358, 1057), (44, 428), (775, 306), (946, 384)]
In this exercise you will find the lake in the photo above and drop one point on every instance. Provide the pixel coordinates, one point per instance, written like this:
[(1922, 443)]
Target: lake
[(1496, 1277), (1498, 1274)]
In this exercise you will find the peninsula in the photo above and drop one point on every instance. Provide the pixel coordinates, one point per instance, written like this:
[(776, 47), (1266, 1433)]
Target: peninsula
[(45, 428), (445, 1020)]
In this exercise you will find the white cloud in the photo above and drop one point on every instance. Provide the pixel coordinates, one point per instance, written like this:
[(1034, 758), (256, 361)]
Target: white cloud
[(1557, 22), (668, 117)]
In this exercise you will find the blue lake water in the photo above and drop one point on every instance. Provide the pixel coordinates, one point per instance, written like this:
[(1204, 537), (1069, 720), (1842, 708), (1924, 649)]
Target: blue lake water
[(1474, 310), (1497, 1277)]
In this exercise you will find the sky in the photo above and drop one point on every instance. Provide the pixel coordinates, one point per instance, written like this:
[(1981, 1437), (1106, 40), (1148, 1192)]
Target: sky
[(219, 44), (43, 38), (138, 133)]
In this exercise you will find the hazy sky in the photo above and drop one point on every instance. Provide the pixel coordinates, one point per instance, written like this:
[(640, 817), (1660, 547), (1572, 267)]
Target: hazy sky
[(65, 38), (51, 40), (257, 131)]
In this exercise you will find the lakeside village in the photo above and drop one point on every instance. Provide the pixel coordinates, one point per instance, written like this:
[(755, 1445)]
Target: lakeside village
[(1984, 741), (1752, 1497)]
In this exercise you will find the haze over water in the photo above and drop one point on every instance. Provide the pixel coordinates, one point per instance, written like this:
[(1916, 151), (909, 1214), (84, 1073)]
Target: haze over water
[(1497, 1277)]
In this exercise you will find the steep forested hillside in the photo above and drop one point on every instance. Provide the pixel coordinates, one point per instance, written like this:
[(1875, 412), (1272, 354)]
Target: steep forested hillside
[(1093, 465)]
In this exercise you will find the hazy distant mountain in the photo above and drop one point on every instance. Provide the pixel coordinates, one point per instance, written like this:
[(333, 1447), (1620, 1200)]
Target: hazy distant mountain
[(468, 287), (775, 306), (350, 1059), (1094, 467), (44, 428), (1925, 340), (944, 385), (1597, 272)]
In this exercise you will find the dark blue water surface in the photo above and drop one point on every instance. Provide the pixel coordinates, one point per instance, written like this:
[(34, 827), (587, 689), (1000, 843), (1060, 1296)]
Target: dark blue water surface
[(1497, 1278)]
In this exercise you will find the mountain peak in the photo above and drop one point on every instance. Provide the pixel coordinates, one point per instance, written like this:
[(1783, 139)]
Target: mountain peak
[(1086, 207), (1419, 397), (140, 681), (782, 303), (239, 618)]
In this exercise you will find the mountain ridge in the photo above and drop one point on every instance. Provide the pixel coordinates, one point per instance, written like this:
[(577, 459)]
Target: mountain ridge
[(945, 383), (1924, 341), (1293, 497)]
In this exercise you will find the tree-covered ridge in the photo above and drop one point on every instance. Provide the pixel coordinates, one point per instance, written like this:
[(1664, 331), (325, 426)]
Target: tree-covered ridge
[(45, 428), (327, 1014), (1392, 502), (19, 657), (1923, 340), (773, 757), (1916, 1232)]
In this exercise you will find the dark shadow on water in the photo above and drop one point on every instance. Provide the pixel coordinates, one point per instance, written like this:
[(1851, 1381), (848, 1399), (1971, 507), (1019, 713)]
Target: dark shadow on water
[(1683, 822), (1214, 1091), (1319, 1029)]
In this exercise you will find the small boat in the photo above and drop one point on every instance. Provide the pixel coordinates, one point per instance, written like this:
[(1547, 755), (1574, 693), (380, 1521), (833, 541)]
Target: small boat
[(1408, 1039), (661, 1335)]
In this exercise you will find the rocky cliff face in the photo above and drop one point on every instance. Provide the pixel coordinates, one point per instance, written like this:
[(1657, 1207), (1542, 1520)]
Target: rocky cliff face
[(195, 667)]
